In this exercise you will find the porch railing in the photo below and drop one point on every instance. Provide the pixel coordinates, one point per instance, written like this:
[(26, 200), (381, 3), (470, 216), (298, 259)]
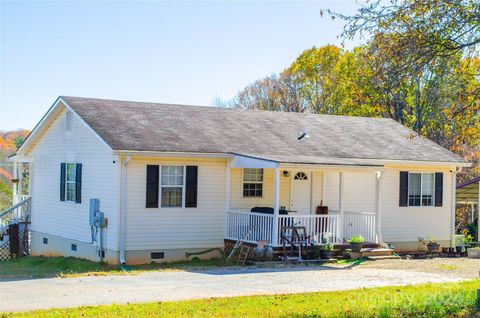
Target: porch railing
[(259, 226), (17, 213), (315, 226), (359, 223), (239, 223)]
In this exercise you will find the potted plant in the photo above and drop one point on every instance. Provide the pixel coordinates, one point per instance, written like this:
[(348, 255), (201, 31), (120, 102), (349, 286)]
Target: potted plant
[(326, 251), (458, 244), (467, 240), (432, 245), (356, 243)]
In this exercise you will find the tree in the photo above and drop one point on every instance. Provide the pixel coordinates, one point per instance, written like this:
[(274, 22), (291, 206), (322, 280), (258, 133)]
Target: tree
[(423, 31), (440, 101)]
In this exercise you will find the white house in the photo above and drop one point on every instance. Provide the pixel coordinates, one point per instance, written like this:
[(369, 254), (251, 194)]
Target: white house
[(172, 179)]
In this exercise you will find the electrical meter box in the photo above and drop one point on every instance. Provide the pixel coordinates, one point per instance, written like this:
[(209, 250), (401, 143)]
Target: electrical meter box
[(94, 209)]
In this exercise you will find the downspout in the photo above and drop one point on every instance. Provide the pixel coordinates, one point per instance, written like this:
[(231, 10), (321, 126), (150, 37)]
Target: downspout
[(123, 208), (378, 206)]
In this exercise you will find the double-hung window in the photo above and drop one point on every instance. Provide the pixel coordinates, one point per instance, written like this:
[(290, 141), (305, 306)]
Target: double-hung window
[(172, 184), (421, 189), (252, 182), (70, 182)]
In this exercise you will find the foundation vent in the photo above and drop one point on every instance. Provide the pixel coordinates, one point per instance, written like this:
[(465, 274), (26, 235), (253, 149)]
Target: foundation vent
[(157, 255)]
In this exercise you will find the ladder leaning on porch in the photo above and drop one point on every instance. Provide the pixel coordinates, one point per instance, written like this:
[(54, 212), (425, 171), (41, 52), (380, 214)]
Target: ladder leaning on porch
[(240, 242)]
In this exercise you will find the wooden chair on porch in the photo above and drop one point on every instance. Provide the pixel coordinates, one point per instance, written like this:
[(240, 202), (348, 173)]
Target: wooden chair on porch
[(297, 239)]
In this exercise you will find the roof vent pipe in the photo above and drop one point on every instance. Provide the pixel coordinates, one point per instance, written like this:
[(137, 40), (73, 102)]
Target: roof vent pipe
[(304, 134)]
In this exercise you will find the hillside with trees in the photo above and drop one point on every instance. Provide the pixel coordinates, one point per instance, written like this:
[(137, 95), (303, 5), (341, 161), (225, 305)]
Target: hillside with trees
[(9, 143)]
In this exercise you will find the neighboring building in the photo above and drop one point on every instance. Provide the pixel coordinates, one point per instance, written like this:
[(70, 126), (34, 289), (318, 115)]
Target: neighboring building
[(172, 179)]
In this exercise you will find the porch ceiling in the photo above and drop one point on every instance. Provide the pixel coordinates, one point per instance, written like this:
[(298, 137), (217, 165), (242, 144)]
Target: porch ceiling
[(469, 192)]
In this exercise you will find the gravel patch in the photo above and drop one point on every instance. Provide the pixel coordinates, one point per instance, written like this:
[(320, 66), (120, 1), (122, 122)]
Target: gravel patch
[(450, 267), (23, 295)]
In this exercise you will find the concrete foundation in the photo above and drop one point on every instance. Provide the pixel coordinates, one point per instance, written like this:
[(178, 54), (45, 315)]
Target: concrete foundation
[(49, 245)]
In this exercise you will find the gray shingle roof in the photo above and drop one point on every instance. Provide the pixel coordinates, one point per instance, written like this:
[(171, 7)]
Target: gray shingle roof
[(272, 135)]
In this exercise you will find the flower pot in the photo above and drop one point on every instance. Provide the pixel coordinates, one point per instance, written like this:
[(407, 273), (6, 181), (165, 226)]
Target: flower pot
[(459, 248), (326, 254), (433, 247), (473, 252), (356, 247)]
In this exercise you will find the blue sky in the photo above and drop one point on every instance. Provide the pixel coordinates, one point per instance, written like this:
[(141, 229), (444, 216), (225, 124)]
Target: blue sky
[(172, 52)]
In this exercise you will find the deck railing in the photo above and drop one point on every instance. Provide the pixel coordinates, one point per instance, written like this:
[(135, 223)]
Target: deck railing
[(17, 213), (254, 227), (316, 226), (359, 223), (250, 226)]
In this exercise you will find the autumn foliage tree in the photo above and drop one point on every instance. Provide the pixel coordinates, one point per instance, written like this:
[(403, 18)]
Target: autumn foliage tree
[(439, 101), (9, 143), (420, 67)]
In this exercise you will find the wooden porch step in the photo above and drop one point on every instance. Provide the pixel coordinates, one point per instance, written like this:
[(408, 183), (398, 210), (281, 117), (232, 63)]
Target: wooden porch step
[(365, 245), (378, 258), (372, 252)]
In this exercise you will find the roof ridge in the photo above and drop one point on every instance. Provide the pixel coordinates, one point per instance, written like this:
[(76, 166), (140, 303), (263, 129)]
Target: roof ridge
[(222, 108)]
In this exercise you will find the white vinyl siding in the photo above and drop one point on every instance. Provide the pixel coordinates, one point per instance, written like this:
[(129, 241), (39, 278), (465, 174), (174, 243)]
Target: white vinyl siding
[(238, 201), (400, 224), (168, 228), (358, 191), (99, 180)]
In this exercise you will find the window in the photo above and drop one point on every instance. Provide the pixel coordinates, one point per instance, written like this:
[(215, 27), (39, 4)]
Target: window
[(420, 189), (70, 181), (252, 182), (300, 176), (172, 186), (69, 121)]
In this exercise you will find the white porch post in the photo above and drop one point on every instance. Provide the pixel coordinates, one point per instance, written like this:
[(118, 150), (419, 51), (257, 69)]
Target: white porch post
[(340, 206), (378, 207), (227, 198), (15, 185), (30, 178), (453, 207), (20, 180), (276, 205)]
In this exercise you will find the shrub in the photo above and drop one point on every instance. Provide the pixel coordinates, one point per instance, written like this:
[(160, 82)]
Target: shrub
[(356, 239), (327, 247)]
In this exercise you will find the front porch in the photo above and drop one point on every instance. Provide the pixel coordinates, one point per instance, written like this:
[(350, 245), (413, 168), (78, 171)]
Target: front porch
[(252, 227), (337, 202)]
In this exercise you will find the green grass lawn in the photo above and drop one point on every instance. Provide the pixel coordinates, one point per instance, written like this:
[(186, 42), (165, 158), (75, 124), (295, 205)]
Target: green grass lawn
[(38, 267), (428, 300)]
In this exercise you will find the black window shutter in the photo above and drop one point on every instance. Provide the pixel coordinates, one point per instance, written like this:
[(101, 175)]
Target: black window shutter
[(438, 188), (152, 186), (78, 183), (62, 181), (403, 188), (191, 187)]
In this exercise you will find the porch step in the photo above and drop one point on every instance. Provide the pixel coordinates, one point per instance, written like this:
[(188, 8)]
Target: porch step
[(378, 258), (372, 252), (342, 246)]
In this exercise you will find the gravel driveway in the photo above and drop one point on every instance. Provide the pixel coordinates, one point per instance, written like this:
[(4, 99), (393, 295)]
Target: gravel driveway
[(22, 295)]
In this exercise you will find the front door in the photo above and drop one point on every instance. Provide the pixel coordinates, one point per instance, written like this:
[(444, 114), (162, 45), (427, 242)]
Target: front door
[(300, 192)]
